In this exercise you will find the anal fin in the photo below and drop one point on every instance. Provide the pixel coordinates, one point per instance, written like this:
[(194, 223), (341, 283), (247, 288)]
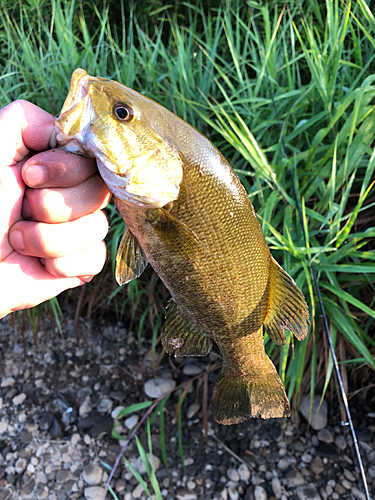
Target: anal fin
[(181, 337), (287, 307), (130, 260)]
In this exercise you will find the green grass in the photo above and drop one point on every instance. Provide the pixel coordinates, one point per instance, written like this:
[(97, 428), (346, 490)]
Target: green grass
[(211, 68)]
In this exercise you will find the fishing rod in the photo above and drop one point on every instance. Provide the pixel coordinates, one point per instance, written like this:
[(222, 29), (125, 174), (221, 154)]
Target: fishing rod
[(312, 267)]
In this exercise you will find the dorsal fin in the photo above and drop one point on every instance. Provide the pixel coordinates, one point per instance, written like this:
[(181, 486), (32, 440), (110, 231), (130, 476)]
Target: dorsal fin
[(287, 309)]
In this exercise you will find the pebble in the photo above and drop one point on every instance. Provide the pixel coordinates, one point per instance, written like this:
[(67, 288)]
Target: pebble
[(260, 493), (185, 494), (308, 493), (349, 475), (358, 494), (156, 387), (283, 464), (130, 422), (5, 493), (63, 476), (340, 442), (233, 475), (221, 495), (116, 411), (140, 466), (20, 465), (233, 493), (120, 485), (193, 410), (94, 493), (192, 369), (306, 458), (346, 484), (317, 465), (19, 399), (318, 414), (244, 473), (137, 492), (85, 408), (8, 382), (276, 487), (92, 474), (3, 427), (325, 436), (294, 478), (105, 405)]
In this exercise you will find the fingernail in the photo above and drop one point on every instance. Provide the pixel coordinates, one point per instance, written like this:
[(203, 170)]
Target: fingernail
[(16, 240), (86, 279), (35, 175)]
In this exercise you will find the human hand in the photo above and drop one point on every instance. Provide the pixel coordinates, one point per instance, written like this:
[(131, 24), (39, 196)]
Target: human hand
[(51, 236)]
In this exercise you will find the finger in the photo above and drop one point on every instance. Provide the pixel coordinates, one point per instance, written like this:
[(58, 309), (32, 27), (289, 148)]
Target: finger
[(39, 239), (43, 284), (57, 168), (66, 204), (87, 262), (23, 126)]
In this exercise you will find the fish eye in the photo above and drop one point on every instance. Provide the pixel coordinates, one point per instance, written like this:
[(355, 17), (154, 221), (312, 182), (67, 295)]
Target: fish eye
[(123, 112)]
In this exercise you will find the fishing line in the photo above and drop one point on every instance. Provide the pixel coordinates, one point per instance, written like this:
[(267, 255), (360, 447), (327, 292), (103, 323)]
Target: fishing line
[(316, 282)]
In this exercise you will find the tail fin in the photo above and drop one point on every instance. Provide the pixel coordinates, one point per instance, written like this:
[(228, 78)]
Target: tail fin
[(239, 397)]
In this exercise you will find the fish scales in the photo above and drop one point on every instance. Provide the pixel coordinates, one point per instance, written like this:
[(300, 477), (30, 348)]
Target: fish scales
[(188, 216)]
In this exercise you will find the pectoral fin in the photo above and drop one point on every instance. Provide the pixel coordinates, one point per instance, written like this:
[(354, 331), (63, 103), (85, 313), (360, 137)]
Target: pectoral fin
[(174, 233), (287, 307), (181, 337), (130, 260)]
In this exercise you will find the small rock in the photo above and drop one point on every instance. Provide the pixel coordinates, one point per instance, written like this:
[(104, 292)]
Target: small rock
[(260, 493), (283, 464), (3, 427), (193, 410), (85, 408), (233, 475), (276, 487), (92, 474), (137, 492), (8, 382), (20, 465), (63, 476), (358, 494), (19, 399), (130, 422), (27, 490), (120, 486), (105, 405), (349, 475), (346, 484), (94, 493), (317, 465), (41, 478), (318, 414), (306, 458), (75, 439), (116, 411), (156, 387), (191, 369), (140, 466), (233, 493), (221, 495), (340, 442), (185, 494), (325, 436), (308, 493), (5, 493), (294, 478), (244, 473)]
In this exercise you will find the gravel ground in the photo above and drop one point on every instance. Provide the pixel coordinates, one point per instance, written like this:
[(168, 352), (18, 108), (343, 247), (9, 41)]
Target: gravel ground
[(57, 402)]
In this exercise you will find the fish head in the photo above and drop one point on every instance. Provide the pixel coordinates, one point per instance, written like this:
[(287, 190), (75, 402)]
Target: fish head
[(119, 127)]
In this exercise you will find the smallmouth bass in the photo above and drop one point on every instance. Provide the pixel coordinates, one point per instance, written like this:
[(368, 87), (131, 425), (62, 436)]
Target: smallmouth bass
[(188, 216)]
